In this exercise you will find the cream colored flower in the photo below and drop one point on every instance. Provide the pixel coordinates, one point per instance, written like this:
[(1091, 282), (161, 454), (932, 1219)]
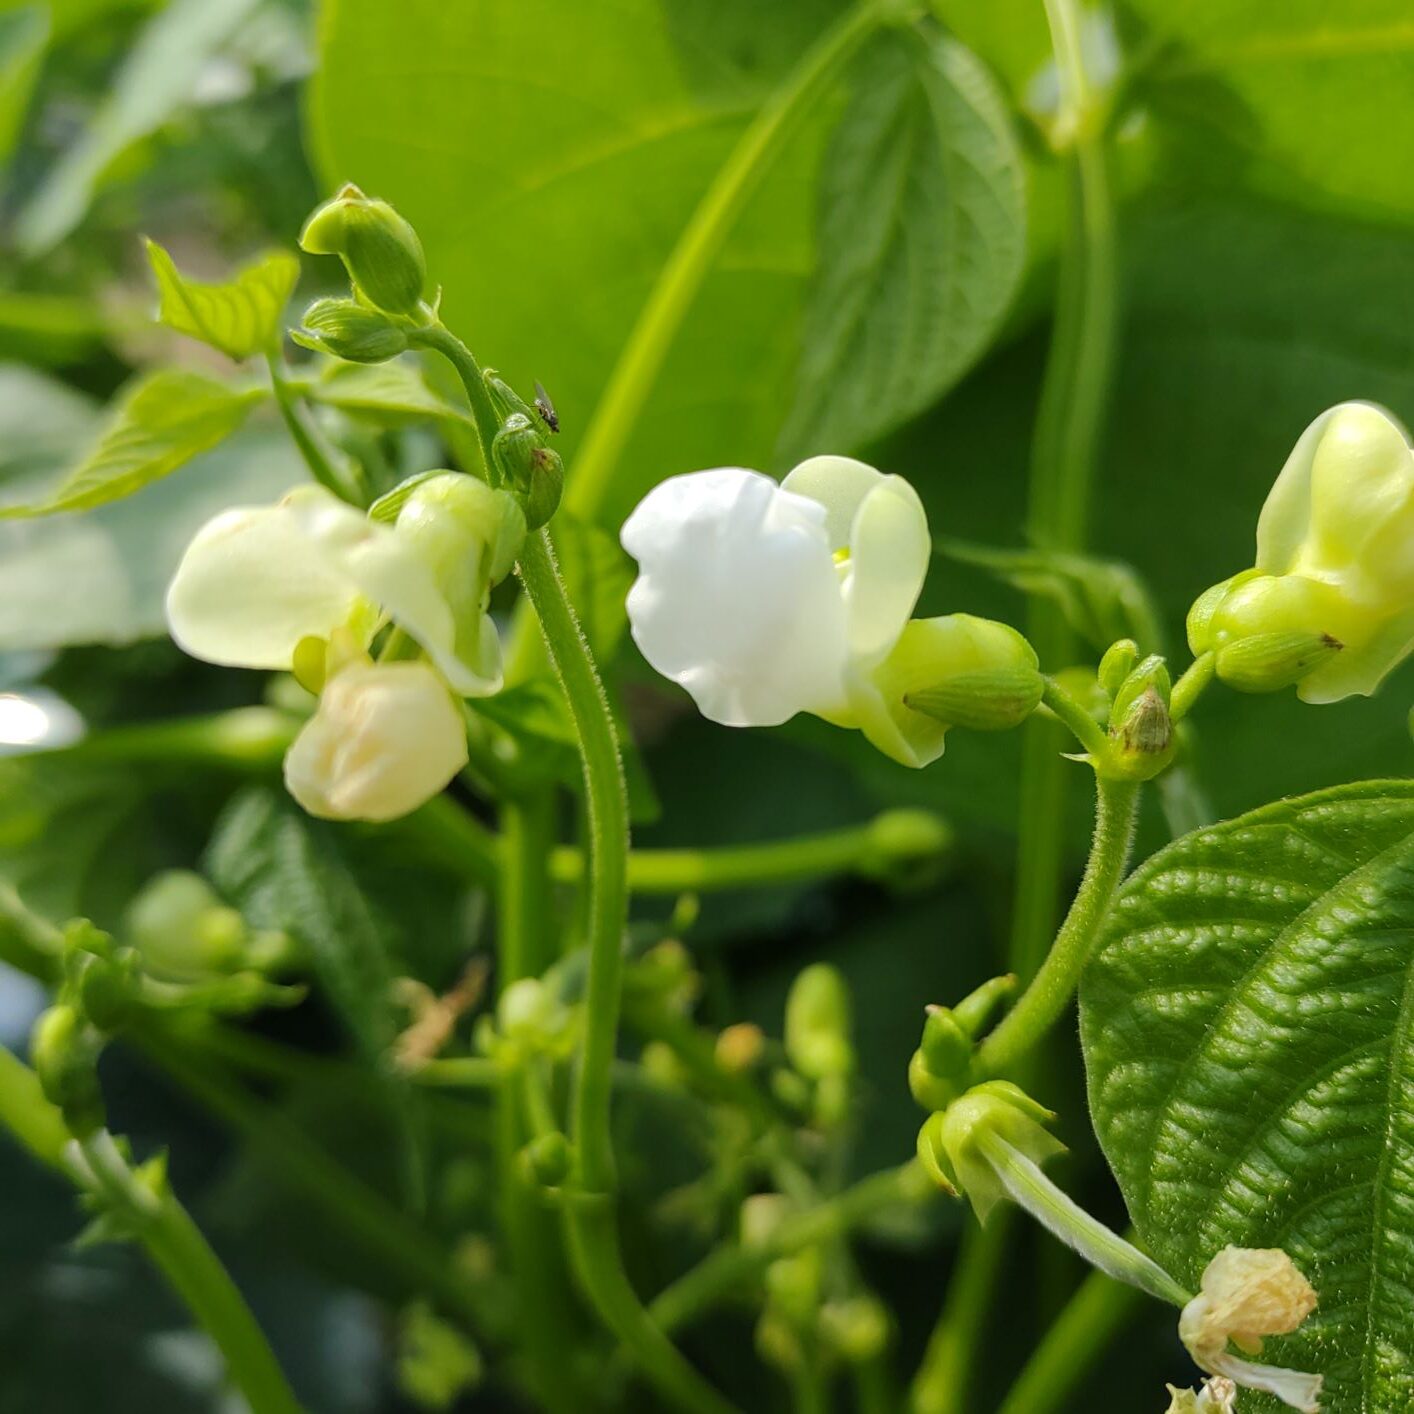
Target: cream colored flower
[(386, 738), (1247, 1294), (1335, 560), (1217, 1396)]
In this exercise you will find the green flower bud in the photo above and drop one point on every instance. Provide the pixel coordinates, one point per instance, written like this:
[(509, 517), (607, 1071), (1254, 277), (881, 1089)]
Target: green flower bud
[(182, 929), (64, 1050), (793, 1286), (857, 1328), (1000, 1108), (938, 1070), (1152, 673), (739, 1048), (992, 700), (1116, 665), (1140, 725), (905, 847), (1268, 662), (532, 470), (379, 248), (545, 1161), (529, 1012), (107, 988), (350, 330), (761, 1216), (817, 1024), (933, 1156)]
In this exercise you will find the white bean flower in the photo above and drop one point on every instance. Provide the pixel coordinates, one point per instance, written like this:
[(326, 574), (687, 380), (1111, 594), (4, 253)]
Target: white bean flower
[(386, 738), (1247, 1294), (305, 585), (766, 600), (1329, 604)]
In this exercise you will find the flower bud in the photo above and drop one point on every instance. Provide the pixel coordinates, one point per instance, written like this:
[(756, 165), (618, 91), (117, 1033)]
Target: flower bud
[(529, 1012), (64, 1050), (545, 1161), (182, 929), (1217, 1396), (817, 1023), (905, 848), (739, 1048), (993, 700), (379, 248), (761, 1216), (350, 330), (1141, 728), (386, 738), (532, 470), (1267, 662), (1116, 665), (938, 1070), (857, 1328), (793, 1286)]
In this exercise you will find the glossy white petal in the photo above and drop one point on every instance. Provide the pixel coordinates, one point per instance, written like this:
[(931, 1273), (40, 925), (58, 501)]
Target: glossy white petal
[(738, 598), (880, 523), (251, 585), (386, 738)]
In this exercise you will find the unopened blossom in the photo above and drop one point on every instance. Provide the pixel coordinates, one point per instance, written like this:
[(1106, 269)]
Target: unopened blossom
[(767, 600), (1217, 1396), (1247, 1294), (385, 738), (1329, 603)]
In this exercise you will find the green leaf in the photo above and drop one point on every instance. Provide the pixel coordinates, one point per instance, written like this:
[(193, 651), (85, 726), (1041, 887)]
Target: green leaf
[(921, 244), (24, 36), (157, 77), (548, 219), (161, 422), (101, 576), (1248, 1026), (285, 870), (241, 317), (1302, 90), (1102, 600), (386, 393)]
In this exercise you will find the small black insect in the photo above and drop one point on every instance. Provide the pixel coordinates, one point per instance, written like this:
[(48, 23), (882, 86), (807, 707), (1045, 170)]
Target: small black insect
[(546, 408)]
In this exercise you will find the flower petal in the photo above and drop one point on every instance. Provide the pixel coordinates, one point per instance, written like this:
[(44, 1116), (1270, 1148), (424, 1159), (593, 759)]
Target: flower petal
[(1286, 513), (250, 586), (738, 598), (840, 484), (1359, 668), (387, 737)]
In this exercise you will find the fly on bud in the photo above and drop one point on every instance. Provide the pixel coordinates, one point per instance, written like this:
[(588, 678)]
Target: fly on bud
[(533, 472), (379, 249), (350, 330)]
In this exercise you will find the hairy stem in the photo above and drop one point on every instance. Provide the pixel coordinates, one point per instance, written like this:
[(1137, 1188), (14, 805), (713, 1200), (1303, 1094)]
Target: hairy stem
[(1116, 810)]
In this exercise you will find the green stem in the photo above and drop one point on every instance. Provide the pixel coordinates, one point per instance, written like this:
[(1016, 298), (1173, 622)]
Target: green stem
[(1191, 686), (177, 1247), (342, 481), (943, 1381), (729, 1268), (680, 280), (1087, 731), (1068, 425), (1091, 1320), (440, 339), (1116, 810), (523, 936)]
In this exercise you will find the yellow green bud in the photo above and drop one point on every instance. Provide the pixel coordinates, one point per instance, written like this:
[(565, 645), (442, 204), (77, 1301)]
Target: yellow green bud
[(529, 1012), (992, 700), (1267, 662), (545, 1161), (1117, 664), (532, 470), (379, 248), (857, 1328), (739, 1048), (817, 1023), (64, 1050), (350, 330)]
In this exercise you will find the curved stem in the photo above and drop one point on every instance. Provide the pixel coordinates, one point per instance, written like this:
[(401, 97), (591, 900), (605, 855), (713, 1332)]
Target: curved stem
[(1068, 425), (635, 374), (177, 1247), (1087, 731), (1091, 1320), (342, 481), (1116, 810), (1191, 685)]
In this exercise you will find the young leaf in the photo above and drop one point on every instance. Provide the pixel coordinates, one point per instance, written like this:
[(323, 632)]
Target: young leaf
[(1102, 600), (1248, 1026), (922, 242), (285, 870), (162, 421), (386, 393), (241, 317)]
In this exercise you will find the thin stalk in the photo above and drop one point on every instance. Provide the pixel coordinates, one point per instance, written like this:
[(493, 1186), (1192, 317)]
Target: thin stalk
[(177, 1247), (943, 1381), (1116, 811), (679, 282), (1090, 1322), (590, 1219), (1064, 451), (726, 1269), (1191, 685), (343, 481), (1087, 731)]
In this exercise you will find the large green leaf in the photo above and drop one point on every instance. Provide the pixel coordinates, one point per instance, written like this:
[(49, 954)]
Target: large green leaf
[(240, 317), (922, 242), (1248, 1026), (550, 153), (1303, 89), (162, 421)]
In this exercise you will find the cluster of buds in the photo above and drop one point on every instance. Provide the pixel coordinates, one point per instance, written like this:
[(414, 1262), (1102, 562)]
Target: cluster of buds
[(941, 1068), (1140, 728), (819, 1046)]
